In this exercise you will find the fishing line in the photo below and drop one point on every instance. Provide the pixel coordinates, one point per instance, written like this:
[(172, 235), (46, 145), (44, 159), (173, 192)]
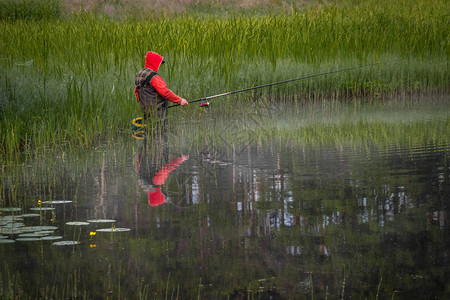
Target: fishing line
[(279, 82)]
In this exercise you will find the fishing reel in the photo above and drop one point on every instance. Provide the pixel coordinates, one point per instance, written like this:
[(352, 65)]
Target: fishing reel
[(204, 104)]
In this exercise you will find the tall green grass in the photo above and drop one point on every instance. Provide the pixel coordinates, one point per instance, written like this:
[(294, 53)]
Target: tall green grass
[(31, 10), (67, 82), (414, 122)]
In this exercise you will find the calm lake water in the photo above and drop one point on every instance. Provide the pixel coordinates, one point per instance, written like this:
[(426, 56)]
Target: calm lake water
[(272, 219)]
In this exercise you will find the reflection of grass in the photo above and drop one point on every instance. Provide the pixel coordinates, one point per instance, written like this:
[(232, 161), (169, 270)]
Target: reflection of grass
[(68, 81), (73, 284)]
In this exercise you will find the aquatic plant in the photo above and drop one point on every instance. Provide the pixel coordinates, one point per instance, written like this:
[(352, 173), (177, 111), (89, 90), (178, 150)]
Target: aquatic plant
[(325, 122), (30, 10), (66, 83)]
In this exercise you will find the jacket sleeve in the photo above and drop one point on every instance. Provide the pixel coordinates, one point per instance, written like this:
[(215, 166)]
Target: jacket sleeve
[(161, 87)]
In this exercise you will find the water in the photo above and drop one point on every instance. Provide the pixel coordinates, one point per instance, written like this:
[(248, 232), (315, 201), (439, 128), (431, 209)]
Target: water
[(267, 220)]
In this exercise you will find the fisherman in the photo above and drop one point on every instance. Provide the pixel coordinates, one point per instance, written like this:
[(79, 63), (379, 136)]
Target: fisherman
[(151, 91)]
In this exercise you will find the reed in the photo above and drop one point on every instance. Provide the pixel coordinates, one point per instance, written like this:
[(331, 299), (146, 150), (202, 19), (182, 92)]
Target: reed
[(66, 82), (31, 10), (422, 121)]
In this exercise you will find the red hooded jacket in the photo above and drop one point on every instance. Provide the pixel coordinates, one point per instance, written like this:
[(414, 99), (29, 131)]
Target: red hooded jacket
[(153, 61)]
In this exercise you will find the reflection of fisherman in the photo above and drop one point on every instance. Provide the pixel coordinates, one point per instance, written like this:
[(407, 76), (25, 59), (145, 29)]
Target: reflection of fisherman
[(153, 170), (151, 91)]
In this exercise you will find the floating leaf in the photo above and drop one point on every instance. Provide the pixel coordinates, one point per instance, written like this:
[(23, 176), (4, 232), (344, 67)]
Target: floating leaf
[(11, 218), (3, 237), (28, 239), (5, 222), (66, 243), (57, 202), (10, 231), (77, 223), (29, 215), (42, 233), (14, 225), (52, 237), (11, 226), (38, 228), (42, 208), (30, 235), (10, 209), (113, 229), (28, 229), (101, 221), (6, 241)]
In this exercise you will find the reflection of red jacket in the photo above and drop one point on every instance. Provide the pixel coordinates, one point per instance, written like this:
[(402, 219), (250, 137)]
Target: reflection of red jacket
[(160, 177), (156, 197), (153, 61)]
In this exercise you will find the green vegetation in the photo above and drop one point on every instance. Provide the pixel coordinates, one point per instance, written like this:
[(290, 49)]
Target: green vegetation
[(30, 10), (67, 79), (420, 121)]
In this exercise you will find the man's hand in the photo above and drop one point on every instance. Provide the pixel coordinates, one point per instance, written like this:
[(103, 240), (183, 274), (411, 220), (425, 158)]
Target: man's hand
[(183, 102)]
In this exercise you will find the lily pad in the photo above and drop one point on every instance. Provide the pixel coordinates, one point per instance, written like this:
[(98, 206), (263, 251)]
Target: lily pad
[(29, 215), (113, 229), (11, 218), (7, 241), (10, 209), (5, 222), (38, 228), (28, 239), (66, 243), (28, 229), (3, 237), (45, 232), (57, 202), (101, 221), (51, 237), (13, 225), (10, 231), (42, 208), (41, 228), (76, 223), (30, 235)]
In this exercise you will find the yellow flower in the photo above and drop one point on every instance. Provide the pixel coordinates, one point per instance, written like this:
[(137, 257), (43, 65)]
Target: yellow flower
[(39, 202), (92, 233), (93, 245)]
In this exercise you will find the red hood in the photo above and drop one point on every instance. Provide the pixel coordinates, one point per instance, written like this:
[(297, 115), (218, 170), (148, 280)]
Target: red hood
[(153, 61)]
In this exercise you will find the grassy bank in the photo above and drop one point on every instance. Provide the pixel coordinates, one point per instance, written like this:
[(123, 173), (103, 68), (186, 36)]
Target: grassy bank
[(67, 81)]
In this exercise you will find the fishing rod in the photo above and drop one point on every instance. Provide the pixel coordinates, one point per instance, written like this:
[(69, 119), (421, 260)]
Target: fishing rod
[(274, 83)]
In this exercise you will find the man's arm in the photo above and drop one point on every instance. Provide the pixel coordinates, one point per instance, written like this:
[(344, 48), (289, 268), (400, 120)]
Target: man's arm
[(161, 87)]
